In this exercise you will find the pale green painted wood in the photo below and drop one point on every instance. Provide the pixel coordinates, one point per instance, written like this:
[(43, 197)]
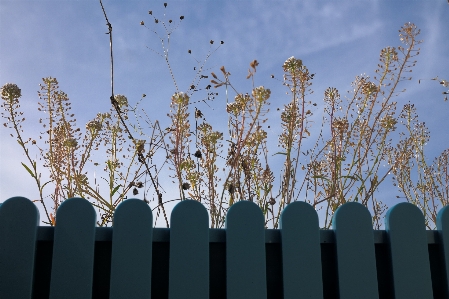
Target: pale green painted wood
[(301, 253), (132, 247), (189, 251), (443, 232), (19, 219), (73, 250), (245, 252), (356, 258), (406, 231)]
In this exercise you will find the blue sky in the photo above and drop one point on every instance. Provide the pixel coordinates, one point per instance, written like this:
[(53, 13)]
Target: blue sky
[(336, 40)]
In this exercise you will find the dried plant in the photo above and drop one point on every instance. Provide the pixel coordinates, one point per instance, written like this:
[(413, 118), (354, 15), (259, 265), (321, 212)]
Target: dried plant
[(348, 166), (66, 150), (424, 185), (295, 126), (351, 156)]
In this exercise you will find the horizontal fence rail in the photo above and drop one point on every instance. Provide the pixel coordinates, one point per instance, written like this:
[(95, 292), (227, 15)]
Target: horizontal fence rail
[(76, 259)]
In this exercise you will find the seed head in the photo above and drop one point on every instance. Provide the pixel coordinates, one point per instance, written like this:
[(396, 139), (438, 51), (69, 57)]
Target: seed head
[(71, 142), (341, 125), (93, 125), (292, 64), (122, 101), (388, 122), (10, 91), (369, 88), (261, 94), (389, 54), (180, 98), (140, 145)]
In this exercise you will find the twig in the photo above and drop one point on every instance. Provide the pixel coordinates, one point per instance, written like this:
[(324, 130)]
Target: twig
[(114, 103)]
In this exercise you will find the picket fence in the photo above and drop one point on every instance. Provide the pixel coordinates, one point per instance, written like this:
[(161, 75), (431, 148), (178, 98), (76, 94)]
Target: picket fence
[(76, 259)]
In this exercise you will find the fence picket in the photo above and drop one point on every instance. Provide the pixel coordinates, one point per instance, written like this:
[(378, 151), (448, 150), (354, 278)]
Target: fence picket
[(132, 244), (189, 251), (19, 219), (406, 231), (300, 233), (356, 259), (443, 232), (73, 250), (245, 252), (302, 260)]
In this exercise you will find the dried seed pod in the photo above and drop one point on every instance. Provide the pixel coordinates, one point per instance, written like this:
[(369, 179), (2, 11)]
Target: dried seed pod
[(198, 113), (231, 188), (198, 154)]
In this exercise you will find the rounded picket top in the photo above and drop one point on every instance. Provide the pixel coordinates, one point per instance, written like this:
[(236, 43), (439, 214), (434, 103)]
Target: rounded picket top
[(244, 212), (19, 211), (133, 212), (404, 214), (189, 210), (75, 210), (351, 214), (299, 213)]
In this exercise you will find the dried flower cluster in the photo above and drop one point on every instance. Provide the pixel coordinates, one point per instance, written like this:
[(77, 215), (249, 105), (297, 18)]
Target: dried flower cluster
[(349, 159)]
